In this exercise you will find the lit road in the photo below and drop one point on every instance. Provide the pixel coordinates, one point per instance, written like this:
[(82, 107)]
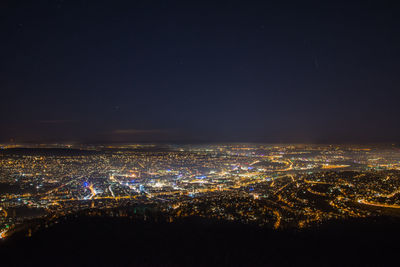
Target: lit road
[(112, 193), (92, 191), (362, 201), (316, 193), (278, 219)]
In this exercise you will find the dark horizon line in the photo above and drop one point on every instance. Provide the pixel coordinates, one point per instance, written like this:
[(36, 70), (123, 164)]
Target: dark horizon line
[(178, 142)]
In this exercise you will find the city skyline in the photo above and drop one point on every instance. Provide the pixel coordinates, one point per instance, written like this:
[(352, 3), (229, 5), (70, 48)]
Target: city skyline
[(285, 186)]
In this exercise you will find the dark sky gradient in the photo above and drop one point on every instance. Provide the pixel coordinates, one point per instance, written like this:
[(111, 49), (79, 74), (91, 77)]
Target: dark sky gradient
[(263, 71)]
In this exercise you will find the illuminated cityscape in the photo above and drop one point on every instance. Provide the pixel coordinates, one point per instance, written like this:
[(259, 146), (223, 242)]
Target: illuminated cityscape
[(277, 186), (199, 133)]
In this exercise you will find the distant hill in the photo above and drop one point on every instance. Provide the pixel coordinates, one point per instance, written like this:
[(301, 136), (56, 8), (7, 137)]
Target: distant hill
[(77, 152), (46, 151)]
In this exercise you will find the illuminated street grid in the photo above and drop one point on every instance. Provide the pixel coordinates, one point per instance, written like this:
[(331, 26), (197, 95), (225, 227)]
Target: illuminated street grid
[(274, 185)]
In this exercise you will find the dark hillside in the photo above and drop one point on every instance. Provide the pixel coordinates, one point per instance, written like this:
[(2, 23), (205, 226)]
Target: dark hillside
[(86, 241)]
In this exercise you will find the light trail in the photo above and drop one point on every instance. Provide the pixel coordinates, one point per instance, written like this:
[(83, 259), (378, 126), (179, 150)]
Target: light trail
[(255, 162), (328, 167), (280, 189), (92, 191), (390, 195), (316, 193), (278, 219), (314, 182), (112, 193), (393, 206)]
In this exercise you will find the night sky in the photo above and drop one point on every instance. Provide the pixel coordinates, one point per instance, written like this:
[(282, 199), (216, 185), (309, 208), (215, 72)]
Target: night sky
[(198, 71)]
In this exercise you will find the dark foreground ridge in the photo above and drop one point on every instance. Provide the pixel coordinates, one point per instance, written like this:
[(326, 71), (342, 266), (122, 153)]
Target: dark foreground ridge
[(97, 241)]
